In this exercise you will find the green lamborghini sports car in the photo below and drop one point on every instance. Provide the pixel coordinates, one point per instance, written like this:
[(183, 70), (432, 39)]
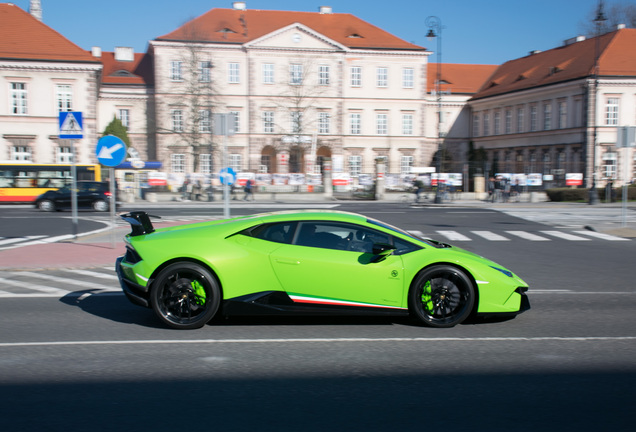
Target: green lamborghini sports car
[(308, 263)]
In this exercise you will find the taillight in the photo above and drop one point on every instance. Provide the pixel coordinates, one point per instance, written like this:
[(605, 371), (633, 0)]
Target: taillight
[(107, 194)]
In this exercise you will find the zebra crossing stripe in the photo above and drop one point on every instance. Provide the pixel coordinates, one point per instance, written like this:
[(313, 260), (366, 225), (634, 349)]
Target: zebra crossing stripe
[(52, 278), (92, 274), (489, 235), (528, 236), (601, 235), (565, 236), (33, 286), (454, 236)]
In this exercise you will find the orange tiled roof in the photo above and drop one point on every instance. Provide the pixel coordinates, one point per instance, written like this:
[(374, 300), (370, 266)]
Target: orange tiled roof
[(24, 37), (138, 71), (459, 78), (565, 63), (242, 26)]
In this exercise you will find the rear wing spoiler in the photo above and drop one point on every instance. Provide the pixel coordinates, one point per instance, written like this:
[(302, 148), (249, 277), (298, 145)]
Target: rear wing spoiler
[(139, 222)]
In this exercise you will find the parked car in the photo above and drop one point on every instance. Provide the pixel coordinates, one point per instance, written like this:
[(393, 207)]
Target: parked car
[(90, 195), (308, 263)]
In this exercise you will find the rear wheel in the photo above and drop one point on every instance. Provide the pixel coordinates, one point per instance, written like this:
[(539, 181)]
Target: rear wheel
[(100, 205), (46, 205), (441, 296), (185, 295)]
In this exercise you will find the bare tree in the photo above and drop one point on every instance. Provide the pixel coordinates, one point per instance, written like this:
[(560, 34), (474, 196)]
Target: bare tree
[(617, 12), (193, 99)]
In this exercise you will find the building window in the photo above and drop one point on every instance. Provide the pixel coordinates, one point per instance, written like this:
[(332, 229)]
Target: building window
[(408, 75), (18, 98), (356, 76), (235, 162), (355, 121), (323, 75), (520, 120), (268, 73), (124, 117), (323, 122), (610, 165), (268, 121), (295, 74), (21, 153), (64, 98), (355, 165), (533, 118), (205, 121), (406, 163), (508, 125), (611, 112), (486, 124), (63, 155), (205, 71), (205, 163), (175, 71), (237, 121), (563, 115), (497, 123), (407, 124), (383, 77), (476, 125), (177, 161), (547, 116), (233, 73), (382, 124), (177, 120)]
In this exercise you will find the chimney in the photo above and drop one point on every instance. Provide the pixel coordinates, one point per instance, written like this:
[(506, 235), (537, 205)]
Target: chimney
[(35, 9), (239, 5), (325, 10), (96, 52), (124, 54)]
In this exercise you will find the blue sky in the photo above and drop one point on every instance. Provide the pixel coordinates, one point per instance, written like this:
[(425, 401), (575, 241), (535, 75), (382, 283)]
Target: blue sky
[(474, 31)]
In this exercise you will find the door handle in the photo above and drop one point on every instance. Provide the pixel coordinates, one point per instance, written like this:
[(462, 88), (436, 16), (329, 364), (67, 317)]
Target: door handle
[(287, 261)]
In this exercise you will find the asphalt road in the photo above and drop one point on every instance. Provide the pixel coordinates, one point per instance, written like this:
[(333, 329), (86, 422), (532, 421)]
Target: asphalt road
[(95, 361)]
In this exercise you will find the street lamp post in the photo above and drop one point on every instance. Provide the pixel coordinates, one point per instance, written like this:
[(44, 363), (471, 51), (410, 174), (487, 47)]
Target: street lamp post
[(435, 31), (600, 18)]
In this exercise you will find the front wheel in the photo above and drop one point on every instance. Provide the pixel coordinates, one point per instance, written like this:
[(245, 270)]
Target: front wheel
[(441, 296), (100, 205), (46, 205), (185, 295)]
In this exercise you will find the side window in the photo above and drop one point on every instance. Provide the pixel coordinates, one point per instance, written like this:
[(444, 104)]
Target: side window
[(277, 232), (339, 236), (403, 247)]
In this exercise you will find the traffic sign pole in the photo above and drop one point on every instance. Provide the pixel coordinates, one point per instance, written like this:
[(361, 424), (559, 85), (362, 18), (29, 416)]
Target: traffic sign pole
[(74, 216)]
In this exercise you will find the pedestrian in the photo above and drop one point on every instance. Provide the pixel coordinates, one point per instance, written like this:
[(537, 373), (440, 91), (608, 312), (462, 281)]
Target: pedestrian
[(491, 189), (248, 190), (185, 193), (417, 188)]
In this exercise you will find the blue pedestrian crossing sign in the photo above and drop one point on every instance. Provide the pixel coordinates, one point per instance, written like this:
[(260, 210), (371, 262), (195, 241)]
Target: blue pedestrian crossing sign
[(111, 151), (71, 125)]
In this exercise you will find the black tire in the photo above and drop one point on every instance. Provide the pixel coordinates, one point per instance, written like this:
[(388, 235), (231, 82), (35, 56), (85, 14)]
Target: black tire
[(185, 295), (46, 205), (100, 205), (441, 296)]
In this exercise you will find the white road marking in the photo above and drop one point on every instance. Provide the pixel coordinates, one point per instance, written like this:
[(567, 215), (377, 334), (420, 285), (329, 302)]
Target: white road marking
[(601, 235), (92, 274), (565, 236), (454, 236), (528, 236), (489, 235), (319, 340), (83, 284), (33, 286)]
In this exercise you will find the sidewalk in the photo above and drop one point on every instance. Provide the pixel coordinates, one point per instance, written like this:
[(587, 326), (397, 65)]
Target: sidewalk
[(101, 249)]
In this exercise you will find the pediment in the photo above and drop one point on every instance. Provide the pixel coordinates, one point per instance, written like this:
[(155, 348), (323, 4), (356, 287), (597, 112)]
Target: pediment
[(296, 37)]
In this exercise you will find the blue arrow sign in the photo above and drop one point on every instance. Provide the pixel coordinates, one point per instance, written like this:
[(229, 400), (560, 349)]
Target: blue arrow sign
[(110, 150), (227, 175), (71, 125)]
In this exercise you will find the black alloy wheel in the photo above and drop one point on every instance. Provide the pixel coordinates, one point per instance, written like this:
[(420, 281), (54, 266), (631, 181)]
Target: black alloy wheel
[(185, 295), (441, 296)]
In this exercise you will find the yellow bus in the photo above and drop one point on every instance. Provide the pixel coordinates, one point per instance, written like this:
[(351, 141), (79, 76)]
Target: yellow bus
[(23, 182)]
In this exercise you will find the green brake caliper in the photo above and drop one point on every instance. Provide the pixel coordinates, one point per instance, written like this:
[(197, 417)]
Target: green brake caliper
[(427, 299), (199, 292)]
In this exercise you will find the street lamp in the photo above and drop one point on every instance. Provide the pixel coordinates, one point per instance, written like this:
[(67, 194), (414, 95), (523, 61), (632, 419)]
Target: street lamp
[(600, 18), (434, 25)]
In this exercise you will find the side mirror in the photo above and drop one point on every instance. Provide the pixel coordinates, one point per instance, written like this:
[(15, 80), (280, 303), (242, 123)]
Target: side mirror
[(381, 251)]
